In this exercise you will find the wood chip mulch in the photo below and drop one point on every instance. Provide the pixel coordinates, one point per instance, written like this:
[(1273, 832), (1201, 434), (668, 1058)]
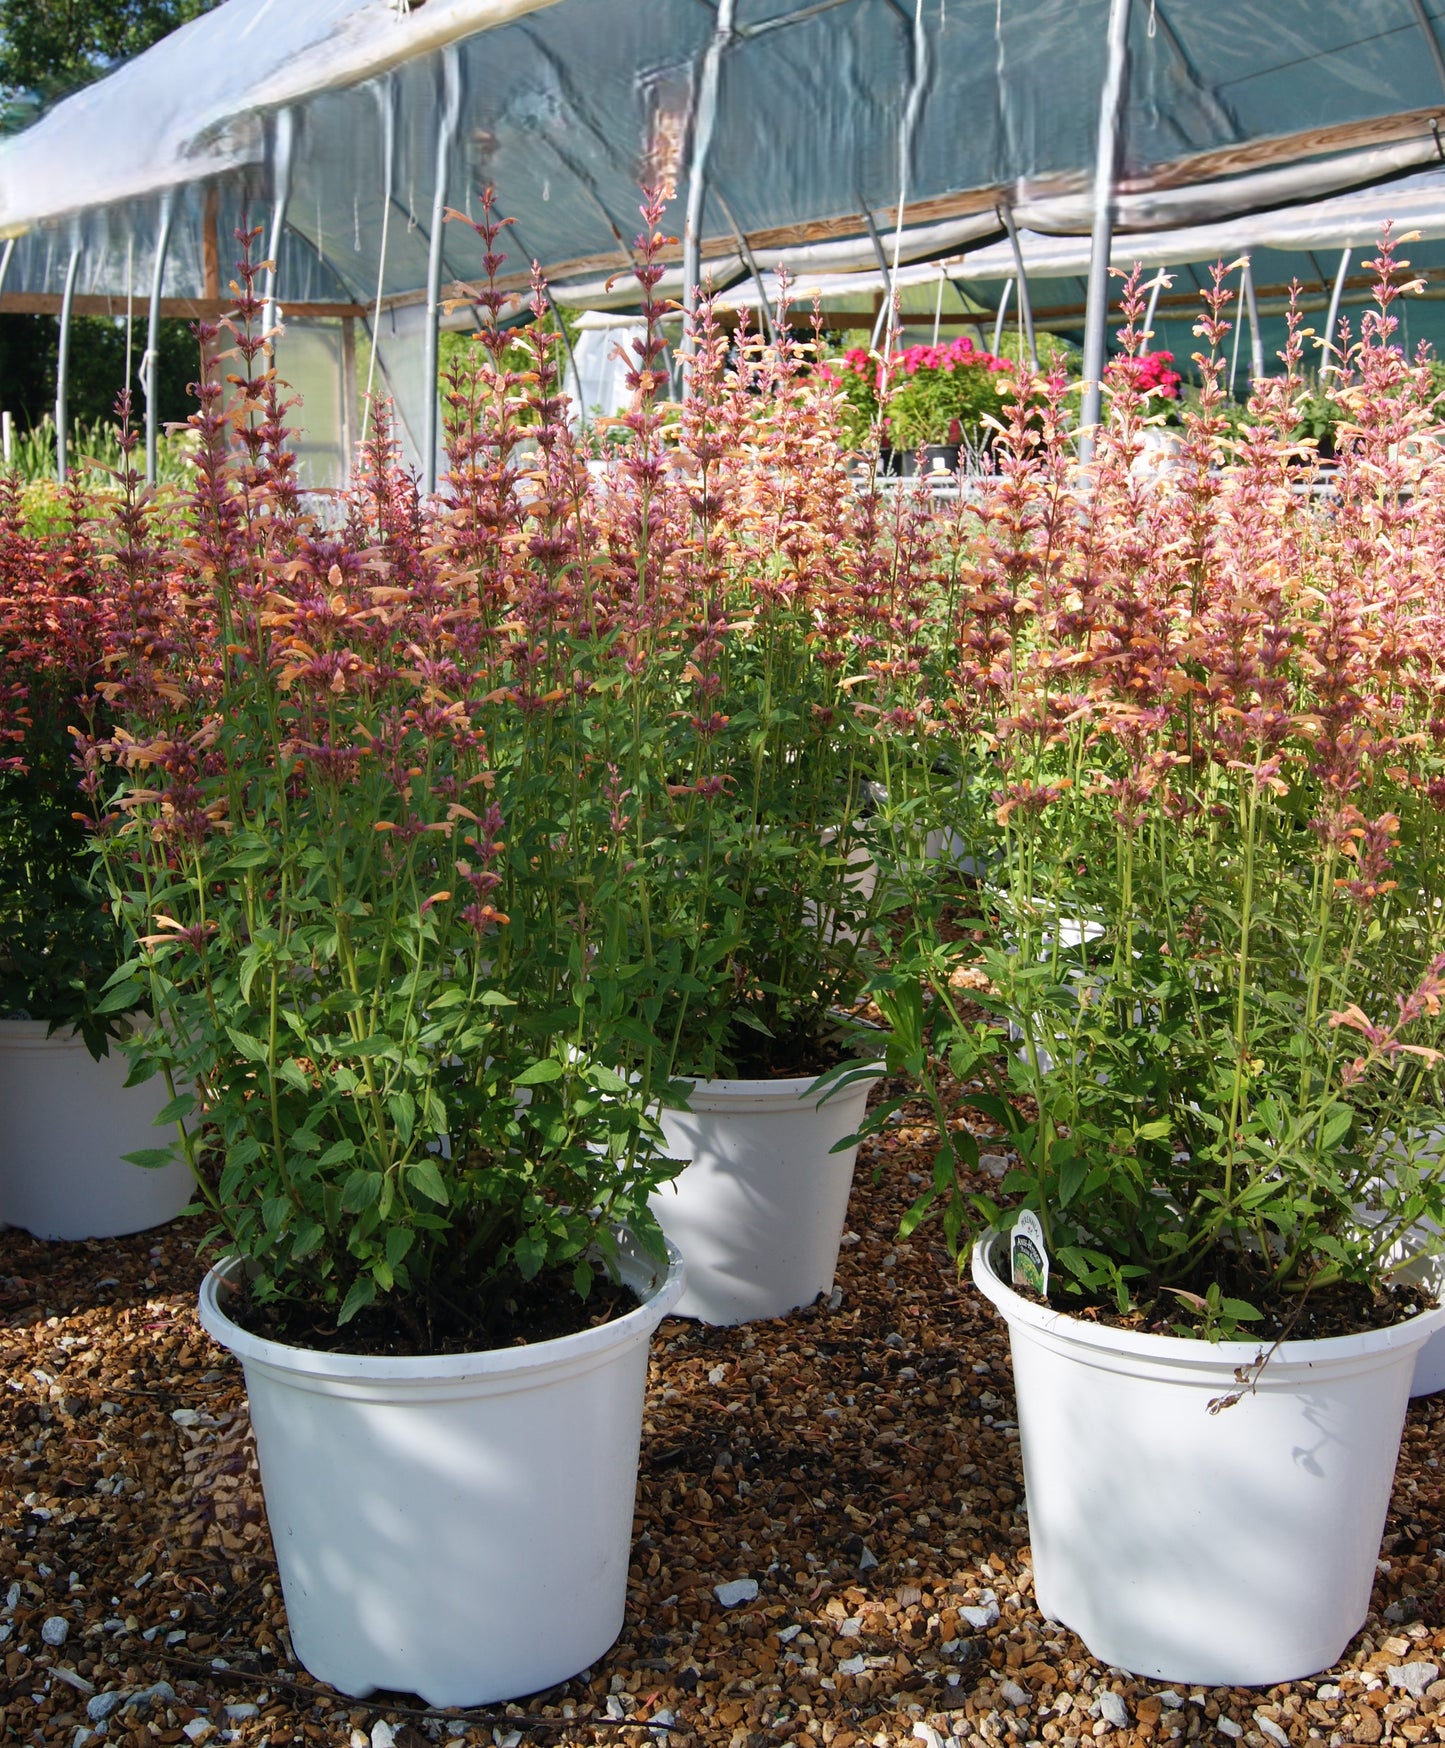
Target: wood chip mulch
[(858, 1459)]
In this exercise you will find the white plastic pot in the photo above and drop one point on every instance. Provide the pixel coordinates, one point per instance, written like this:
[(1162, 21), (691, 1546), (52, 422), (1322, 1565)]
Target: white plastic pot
[(1234, 1548), (759, 1211), (453, 1526), (66, 1123)]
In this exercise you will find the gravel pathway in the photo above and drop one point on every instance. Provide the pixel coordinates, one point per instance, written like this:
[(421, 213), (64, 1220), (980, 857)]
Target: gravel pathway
[(831, 1545)]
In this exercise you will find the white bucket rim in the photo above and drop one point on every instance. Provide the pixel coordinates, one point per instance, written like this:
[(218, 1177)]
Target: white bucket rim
[(712, 1095), (499, 1364), (1106, 1342)]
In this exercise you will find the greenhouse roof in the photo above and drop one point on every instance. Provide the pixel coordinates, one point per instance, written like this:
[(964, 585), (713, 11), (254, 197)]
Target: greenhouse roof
[(813, 117)]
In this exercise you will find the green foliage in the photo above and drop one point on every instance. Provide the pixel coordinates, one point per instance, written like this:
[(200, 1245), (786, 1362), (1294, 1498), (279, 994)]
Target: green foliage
[(51, 47), (58, 941)]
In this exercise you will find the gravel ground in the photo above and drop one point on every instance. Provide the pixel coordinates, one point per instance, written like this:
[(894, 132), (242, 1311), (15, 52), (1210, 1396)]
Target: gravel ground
[(857, 1461)]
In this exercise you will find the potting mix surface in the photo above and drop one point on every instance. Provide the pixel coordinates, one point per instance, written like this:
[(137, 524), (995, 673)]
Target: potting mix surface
[(831, 1547)]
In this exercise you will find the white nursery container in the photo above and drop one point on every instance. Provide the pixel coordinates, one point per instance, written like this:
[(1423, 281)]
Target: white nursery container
[(1227, 1549), (454, 1526), (759, 1211), (66, 1123)]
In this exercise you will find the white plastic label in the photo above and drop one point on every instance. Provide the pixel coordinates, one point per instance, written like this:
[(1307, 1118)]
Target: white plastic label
[(1029, 1254)]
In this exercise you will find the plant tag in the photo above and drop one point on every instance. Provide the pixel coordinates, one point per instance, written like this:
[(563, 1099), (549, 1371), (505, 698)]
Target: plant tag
[(1029, 1256)]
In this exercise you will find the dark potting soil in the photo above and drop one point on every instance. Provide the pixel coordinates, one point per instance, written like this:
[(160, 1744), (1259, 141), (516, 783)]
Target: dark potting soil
[(516, 1314), (1341, 1309), (791, 1055)]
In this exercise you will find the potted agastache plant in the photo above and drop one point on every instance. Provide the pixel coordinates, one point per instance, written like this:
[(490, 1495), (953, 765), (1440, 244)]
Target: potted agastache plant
[(1210, 717), (428, 1182), (698, 726), (69, 1115)]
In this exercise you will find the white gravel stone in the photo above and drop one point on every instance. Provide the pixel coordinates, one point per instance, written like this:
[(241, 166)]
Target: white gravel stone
[(54, 1630), (786, 1635), (1110, 1706), (735, 1591), (382, 1734), (197, 1728), (615, 1708), (852, 1628), (983, 1614), (926, 1734), (237, 1713), (1013, 1695), (1328, 1691), (101, 1707), (1272, 1730), (1170, 1700), (1413, 1677), (852, 1665), (1228, 1727)]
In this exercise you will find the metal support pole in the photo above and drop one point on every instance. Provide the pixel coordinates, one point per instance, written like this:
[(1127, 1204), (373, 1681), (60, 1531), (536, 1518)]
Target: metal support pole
[(1154, 291), (998, 320), (1333, 317), (285, 143), (386, 97), (885, 308), (7, 424), (1026, 311), (704, 121), (1256, 342), (1106, 170), (912, 109), (446, 134), (150, 364), (62, 366), (1238, 330), (348, 397), (938, 304)]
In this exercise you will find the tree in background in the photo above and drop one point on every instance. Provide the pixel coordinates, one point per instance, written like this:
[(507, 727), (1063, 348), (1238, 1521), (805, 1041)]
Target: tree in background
[(49, 48)]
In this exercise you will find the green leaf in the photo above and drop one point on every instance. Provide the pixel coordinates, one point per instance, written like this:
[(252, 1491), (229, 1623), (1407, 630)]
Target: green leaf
[(426, 1178), (605, 1079), (152, 1158), (179, 1107), (295, 1075), (530, 1252), (362, 1294), (248, 1045), (539, 1072), (377, 1045), (403, 1113), (361, 1190), (337, 1153), (308, 1239)]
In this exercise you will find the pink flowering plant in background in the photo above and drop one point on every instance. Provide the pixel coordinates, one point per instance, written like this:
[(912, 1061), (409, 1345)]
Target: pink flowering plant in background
[(946, 393), (1206, 708)]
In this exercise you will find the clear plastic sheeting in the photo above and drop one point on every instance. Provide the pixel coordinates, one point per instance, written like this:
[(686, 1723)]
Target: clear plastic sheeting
[(819, 135), (602, 352), (827, 111), (311, 359)]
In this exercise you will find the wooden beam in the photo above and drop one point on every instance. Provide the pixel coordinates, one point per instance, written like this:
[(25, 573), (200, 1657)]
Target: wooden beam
[(211, 243), (191, 309)]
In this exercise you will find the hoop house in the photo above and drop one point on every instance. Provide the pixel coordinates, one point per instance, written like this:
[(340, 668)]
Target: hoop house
[(820, 135)]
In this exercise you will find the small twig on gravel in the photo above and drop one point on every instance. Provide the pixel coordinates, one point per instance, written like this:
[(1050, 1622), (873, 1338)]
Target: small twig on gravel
[(475, 1715)]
